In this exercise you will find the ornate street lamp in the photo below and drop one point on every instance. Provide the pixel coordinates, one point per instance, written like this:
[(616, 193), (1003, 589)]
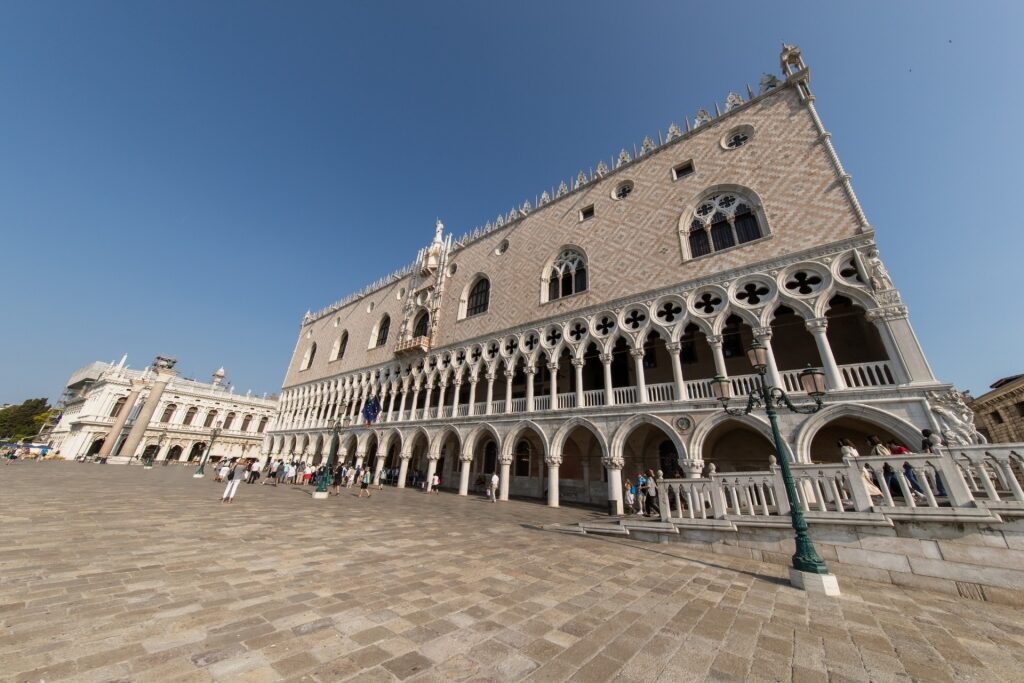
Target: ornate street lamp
[(206, 451), (808, 571), (321, 492)]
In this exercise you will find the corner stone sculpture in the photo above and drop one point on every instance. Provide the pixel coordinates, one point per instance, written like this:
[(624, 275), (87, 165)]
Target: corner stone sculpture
[(956, 417)]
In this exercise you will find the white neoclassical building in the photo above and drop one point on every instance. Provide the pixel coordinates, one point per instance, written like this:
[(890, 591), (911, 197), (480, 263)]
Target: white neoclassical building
[(117, 413), (571, 342)]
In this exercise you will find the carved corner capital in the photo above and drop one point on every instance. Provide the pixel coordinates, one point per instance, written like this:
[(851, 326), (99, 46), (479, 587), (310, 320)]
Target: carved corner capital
[(637, 353), (613, 462), (553, 459), (816, 324), (714, 339), (606, 358), (673, 347)]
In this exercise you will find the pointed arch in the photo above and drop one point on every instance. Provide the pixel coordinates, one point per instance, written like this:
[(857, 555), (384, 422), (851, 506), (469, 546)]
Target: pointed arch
[(508, 445), (627, 427), (560, 436), (809, 428), (474, 436), (709, 424), (441, 436)]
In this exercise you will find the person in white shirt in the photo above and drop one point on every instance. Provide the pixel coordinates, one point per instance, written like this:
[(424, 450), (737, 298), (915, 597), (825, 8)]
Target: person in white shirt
[(494, 487), (234, 478)]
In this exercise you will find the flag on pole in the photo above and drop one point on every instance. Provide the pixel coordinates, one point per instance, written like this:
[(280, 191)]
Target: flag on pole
[(371, 410)]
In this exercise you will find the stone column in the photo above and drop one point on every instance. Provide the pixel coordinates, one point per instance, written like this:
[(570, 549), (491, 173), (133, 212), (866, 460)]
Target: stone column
[(554, 461), (609, 393), (673, 349), (614, 466), (441, 390), (490, 394), (772, 376), (506, 470), (431, 471), (359, 458), (818, 327), (693, 468), (456, 387), (426, 402), (530, 372), (403, 469), (138, 429), (391, 403), (401, 403), (509, 374), (901, 344), (415, 401), (471, 408), (641, 381), (553, 373), (577, 364), (122, 416), (377, 469), (715, 341), (465, 460)]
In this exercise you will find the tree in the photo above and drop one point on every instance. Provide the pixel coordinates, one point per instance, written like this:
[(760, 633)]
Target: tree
[(23, 421)]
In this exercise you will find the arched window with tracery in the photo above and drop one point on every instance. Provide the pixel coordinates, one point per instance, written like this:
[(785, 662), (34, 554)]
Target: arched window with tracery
[(383, 328), (721, 221), (117, 406), (168, 413), (190, 415), (567, 275), (479, 297), (307, 360), (229, 420), (422, 326), (340, 344)]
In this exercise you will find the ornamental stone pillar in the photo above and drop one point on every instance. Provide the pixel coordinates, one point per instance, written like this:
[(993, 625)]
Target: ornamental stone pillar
[(465, 460), (431, 471), (553, 461), (577, 364), (553, 373), (359, 458), (614, 465), (415, 402), (641, 381), (138, 430), (401, 404), (471, 408), (818, 327), (391, 403), (530, 372), (673, 349), (506, 470), (426, 401), (403, 469), (489, 409), (509, 374), (772, 376), (456, 387), (715, 341), (122, 416), (378, 467), (609, 393)]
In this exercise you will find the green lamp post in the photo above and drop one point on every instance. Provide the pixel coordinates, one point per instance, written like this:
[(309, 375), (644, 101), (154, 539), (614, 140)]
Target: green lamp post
[(809, 570), (206, 451), (324, 481)]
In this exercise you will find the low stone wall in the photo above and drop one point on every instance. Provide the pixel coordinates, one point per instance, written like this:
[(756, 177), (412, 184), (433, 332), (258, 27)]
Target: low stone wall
[(972, 561)]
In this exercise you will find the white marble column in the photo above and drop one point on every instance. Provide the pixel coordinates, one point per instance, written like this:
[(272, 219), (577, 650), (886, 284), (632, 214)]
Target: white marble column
[(391, 402), (427, 401), (641, 381), (614, 466), (471, 408), (772, 376), (577, 364), (818, 327), (489, 409), (403, 470), (609, 392), (673, 349), (114, 434), (715, 342), (901, 344), (465, 460), (506, 471), (431, 471), (530, 372), (413, 411), (553, 389), (509, 374), (456, 387), (553, 461), (138, 429)]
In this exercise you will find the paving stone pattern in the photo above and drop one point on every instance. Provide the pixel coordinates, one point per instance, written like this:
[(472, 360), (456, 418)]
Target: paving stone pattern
[(113, 573)]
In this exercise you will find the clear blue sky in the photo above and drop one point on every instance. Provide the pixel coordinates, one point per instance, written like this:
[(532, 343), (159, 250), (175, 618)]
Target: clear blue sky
[(187, 178)]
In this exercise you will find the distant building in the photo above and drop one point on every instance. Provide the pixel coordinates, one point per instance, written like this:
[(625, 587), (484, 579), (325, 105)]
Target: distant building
[(999, 414), (110, 411)]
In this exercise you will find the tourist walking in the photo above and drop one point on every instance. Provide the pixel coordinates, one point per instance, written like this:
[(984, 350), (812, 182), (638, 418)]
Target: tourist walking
[(435, 484), (652, 493), (222, 472), (848, 450), (630, 492), (234, 478), (364, 485), (493, 488), (641, 494)]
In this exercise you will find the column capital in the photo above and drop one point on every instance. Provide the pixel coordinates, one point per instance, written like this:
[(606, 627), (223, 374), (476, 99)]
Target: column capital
[(473, 379), (531, 369), (553, 459), (886, 313), (762, 332), (613, 462), (816, 325), (673, 347), (465, 457), (552, 366), (505, 459), (490, 376), (510, 374), (578, 362), (606, 358), (637, 353), (714, 339)]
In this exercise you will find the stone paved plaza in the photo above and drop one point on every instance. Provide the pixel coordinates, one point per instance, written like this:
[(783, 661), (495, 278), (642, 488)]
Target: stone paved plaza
[(118, 573)]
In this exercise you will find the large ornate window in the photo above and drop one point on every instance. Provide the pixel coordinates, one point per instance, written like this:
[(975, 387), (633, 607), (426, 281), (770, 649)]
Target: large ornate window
[(567, 275), (117, 406), (246, 421), (190, 415), (479, 297), (722, 221), (383, 328), (307, 360), (210, 417), (338, 352), (263, 425), (229, 420), (422, 326), (168, 413)]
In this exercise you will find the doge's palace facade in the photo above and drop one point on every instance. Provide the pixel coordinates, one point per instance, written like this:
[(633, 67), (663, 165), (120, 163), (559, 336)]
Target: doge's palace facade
[(570, 342)]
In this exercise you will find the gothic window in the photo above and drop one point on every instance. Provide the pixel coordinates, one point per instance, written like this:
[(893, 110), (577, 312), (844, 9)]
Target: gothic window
[(263, 425), (732, 342), (190, 415), (117, 406), (210, 417), (568, 275), (168, 412), (688, 347), (307, 360), (722, 221), (229, 420), (422, 326), (246, 421), (523, 459), (479, 297), (340, 344), (382, 331)]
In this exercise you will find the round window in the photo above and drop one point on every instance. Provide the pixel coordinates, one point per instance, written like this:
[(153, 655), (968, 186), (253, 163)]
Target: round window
[(501, 248), (623, 190), (452, 269), (737, 137)]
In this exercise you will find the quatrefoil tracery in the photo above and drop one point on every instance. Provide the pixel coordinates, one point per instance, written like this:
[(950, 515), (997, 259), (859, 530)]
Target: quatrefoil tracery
[(753, 293), (707, 303), (669, 312), (804, 282), (634, 319)]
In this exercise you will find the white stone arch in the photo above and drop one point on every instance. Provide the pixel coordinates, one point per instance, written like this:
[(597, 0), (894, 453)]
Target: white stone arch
[(409, 438), (469, 445), (560, 436), (747, 316), (512, 435), (858, 296), (618, 441), (809, 428), (387, 438), (440, 436), (709, 424), (751, 197), (347, 445), (545, 273), (799, 306), (464, 297)]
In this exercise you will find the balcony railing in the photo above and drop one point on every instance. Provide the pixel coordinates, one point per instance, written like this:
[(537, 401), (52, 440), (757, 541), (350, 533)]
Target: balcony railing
[(856, 376)]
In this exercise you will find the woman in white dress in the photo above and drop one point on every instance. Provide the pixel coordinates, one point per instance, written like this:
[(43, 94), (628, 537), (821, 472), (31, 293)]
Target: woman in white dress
[(848, 450)]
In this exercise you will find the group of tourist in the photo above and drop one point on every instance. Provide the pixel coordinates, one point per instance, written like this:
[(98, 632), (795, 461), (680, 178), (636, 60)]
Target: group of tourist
[(641, 497)]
